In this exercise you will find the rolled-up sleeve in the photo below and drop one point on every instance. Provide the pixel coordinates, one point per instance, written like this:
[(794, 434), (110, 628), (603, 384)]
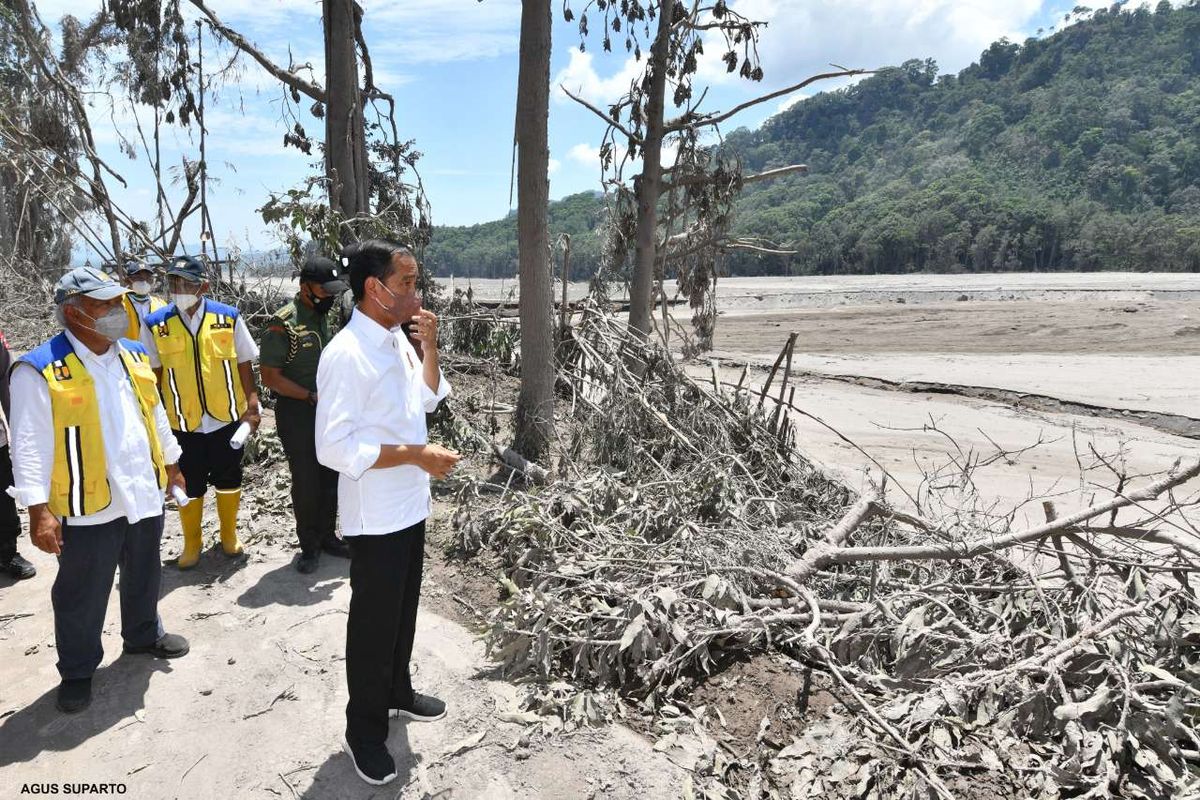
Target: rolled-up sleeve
[(243, 342), (341, 392), (32, 437), (431, 399)]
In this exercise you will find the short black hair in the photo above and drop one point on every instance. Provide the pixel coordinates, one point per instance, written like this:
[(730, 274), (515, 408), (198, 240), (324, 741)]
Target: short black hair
[(371, 259)]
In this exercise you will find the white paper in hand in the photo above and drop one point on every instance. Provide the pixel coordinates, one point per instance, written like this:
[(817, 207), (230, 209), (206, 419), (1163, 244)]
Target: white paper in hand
[(181, 498), (240, 436)]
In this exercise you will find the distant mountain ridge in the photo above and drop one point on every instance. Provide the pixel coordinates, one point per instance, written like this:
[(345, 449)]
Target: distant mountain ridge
[(1079, 151)]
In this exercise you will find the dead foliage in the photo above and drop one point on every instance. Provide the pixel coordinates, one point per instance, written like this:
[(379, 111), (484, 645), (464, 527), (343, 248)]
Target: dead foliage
[(972, 657)]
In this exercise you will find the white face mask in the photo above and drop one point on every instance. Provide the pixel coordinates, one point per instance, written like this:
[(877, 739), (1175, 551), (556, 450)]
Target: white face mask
[(184, 301), (140, 287), (111, 324)]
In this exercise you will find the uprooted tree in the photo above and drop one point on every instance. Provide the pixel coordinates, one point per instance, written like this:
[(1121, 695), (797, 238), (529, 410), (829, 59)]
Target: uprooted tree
[(686, 233)]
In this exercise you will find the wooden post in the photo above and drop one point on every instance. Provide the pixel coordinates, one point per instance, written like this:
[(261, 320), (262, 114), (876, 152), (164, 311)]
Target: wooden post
[(783, 384), (762, 395)]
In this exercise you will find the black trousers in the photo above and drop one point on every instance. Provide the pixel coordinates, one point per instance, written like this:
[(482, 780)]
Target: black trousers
[(208, 460), (385, 589), (314, 485), (90, 557), (10, 521)]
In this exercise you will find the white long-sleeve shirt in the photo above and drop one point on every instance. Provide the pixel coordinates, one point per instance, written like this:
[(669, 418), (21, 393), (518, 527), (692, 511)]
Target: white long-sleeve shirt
[(372, 392), (131, 477), (243, 344)]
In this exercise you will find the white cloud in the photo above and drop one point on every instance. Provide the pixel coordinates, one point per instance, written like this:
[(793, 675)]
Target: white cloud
[(554, 166), (589, 156), (580, 77), (584, 154), (805, 36)]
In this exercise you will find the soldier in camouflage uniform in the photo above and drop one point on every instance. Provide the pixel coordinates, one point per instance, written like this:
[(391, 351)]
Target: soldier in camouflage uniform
[(291, 348)]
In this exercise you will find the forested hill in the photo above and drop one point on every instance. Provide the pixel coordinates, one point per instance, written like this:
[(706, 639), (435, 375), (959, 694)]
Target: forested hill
[(1078, 151)]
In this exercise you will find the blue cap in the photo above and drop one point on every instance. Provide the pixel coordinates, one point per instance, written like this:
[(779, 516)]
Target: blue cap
[(135, 265), (187, 267), (87, 281)]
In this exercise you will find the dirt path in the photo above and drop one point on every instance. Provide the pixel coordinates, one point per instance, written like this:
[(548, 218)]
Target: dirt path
[(257, 708)]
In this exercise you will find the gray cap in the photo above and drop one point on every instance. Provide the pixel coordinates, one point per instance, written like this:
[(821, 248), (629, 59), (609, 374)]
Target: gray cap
[(87, 281)]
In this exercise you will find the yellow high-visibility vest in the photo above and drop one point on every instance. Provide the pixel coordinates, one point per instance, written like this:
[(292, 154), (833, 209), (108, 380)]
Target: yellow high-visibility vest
[(79, 476), (134, 331), (199, 373)]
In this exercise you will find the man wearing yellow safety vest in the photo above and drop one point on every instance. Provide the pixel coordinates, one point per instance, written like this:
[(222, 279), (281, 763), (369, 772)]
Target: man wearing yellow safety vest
[(202, 353), (92, 457), (139, 278)]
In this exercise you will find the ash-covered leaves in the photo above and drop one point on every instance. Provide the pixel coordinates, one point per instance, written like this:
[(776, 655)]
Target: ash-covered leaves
[(657, 559)]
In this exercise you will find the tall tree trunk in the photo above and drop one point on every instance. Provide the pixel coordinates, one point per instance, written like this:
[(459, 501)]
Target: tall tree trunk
[(649, 183), (345, 139), (535, 405)]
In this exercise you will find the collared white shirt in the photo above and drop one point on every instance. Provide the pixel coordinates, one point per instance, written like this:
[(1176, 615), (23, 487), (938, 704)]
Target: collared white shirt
[(131, 478), (243, 344), (142, 307), (372, 392)]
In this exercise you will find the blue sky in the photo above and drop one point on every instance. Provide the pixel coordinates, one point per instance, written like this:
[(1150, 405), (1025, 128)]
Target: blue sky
[(452, 66)]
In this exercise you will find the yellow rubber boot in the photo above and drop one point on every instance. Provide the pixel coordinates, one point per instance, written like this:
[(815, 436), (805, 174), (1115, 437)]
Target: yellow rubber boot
[(190, 516), (227, 509)]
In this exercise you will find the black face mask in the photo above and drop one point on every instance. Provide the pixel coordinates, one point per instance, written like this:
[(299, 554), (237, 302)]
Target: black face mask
[(321, 304)]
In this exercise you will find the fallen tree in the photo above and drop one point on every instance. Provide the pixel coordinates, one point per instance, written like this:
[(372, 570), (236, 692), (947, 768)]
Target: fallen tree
[(973, 658)]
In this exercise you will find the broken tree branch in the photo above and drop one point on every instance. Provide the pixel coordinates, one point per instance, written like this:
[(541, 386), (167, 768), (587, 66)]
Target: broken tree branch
[(287, 77)]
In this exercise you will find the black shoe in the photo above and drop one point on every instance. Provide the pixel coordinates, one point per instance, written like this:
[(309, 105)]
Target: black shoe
[(169, 645), (16, 567), (307, 562), (373, 764), (422, 709), (74, 695), (336, 547)]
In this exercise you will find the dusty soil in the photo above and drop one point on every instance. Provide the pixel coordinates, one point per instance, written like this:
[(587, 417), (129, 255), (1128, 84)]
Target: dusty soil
[(257, 708), (913, 434), (765, 698), (1095, 326), (823, 291)]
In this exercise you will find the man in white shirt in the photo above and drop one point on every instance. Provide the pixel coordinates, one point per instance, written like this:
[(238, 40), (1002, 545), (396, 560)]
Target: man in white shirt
[(202, 352), (12, 563), (374, 390), (92, 458)]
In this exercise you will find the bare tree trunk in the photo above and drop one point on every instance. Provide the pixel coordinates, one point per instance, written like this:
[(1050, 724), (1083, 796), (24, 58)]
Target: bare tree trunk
[(649, 183), (535, 405), (345, 139)]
